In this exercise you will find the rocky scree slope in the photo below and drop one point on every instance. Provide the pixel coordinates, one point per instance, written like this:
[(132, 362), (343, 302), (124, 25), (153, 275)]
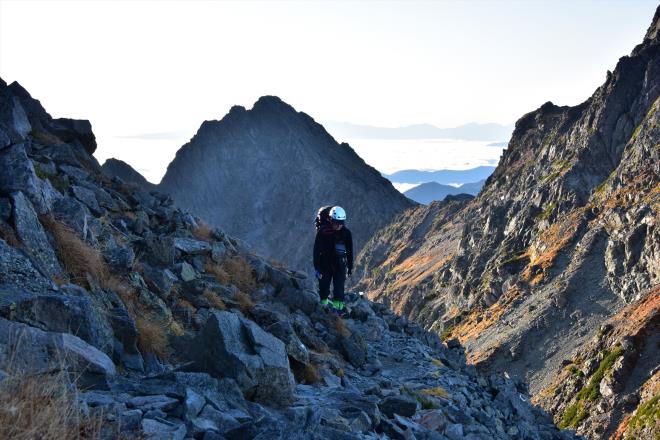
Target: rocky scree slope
[(122, 316), (262, 174), (562, 237)]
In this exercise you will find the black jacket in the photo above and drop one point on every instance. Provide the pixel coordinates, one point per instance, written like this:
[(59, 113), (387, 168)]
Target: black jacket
[(326, 258)]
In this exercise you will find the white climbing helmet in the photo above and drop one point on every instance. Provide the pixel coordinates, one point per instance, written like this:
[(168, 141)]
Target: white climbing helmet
[(337, 213)]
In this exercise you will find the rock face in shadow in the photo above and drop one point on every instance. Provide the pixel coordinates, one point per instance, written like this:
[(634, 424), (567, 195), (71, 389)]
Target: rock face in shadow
[(263, 173), (115, 167), (562, 237)]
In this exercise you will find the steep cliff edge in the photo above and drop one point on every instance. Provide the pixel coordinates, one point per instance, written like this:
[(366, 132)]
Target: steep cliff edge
[(263, 173), (562, 237)]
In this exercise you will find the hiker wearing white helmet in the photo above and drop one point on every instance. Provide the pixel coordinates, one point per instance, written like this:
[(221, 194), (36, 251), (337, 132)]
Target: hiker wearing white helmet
[(333, 255)]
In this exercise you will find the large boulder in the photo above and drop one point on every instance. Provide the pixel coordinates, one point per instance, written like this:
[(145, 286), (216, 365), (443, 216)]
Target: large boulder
[(163, 430), (69, 130), (60, 313), (191, 246), (224, 394), (399, 404), (125, 350), (298, 299), (280, 326), (18, 174), (234, 347), (17, 270), (14, 123), (88, 198), (28, 350), (76, 215), (33, 236), (353, 349)]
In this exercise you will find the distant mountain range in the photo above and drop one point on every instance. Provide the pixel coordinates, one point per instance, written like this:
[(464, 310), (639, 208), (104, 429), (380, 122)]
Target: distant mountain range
[(431, 191), (445, 177), (471, 132)]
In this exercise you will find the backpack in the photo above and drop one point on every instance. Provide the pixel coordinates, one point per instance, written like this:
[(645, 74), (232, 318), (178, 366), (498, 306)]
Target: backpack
[(322, 217)]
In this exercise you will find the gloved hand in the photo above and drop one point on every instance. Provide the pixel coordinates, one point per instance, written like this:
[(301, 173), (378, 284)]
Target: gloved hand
[(319, 275), (350, 272)]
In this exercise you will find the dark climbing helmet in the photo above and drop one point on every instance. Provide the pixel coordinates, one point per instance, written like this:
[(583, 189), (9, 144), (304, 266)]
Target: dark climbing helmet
[(322, 216)]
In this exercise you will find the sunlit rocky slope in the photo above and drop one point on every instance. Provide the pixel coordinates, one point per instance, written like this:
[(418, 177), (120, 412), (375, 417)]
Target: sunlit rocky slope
[(562, 238)]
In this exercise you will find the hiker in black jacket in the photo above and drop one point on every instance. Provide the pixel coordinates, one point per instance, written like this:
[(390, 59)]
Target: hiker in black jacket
[(333, 257)]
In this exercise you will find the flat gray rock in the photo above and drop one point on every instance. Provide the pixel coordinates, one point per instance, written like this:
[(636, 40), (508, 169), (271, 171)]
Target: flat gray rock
[(17, 270), (30, 350), (162, 430), (191, 246)]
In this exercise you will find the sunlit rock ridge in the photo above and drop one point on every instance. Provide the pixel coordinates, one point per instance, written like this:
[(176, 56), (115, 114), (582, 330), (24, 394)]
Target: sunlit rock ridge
[(562, 238)]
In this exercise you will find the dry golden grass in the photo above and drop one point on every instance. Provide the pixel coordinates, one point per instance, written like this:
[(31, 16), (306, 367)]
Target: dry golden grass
[(437, 362), (124, 290), (203, 232), (185, 304), (436, 392), (236, 271), (214, 300), (152, 336), (58, 280), (176, 328), (218, 271), (276, 263), (625, 196), (8, 235), (245, 302), (417, 268), (544, 251), (306, 373), (46, 138), (44, 408), (340, 326), (130, 215), (77, 257), (479, 320), (152, 331)]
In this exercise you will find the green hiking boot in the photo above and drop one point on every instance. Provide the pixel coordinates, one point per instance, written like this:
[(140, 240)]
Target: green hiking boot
[(339, 308)]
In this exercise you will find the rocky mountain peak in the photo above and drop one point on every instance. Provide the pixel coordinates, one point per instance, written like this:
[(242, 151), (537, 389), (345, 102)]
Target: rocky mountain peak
[(653, 32), (115, 167), (28, 116), (272, 103), (233, 172)]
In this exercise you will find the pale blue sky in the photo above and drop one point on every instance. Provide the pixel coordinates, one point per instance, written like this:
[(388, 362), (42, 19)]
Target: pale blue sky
[(153, 66)]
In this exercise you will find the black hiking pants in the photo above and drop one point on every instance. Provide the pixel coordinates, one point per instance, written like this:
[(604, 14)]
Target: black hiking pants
[(337, 278)]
